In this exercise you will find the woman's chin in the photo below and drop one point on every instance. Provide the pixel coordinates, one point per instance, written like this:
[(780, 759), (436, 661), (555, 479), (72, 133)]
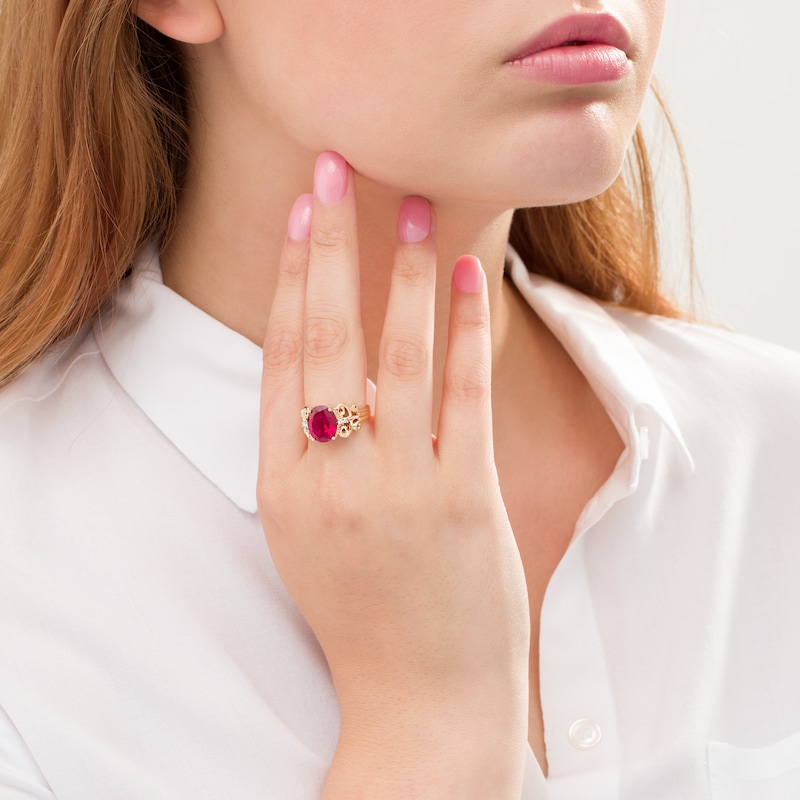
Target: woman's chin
[(580, 192), (568, 164), (564, 192)]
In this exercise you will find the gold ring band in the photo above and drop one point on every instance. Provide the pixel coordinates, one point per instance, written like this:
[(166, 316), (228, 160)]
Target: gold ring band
[(326, 423)]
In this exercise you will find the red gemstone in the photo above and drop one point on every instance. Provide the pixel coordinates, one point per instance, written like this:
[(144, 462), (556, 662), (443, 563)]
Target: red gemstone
[(322, 424)]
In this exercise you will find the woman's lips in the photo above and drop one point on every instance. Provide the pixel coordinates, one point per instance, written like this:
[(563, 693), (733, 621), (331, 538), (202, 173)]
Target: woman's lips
[(576, 50)]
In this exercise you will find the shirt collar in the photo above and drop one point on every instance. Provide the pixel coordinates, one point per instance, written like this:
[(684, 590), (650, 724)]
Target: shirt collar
[(615, 369), (199, 382)]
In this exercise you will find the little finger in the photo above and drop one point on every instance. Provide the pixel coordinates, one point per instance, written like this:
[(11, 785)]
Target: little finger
[(465, 416)]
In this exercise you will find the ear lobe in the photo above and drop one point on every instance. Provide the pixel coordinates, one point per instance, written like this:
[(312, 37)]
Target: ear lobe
[(189, 21)]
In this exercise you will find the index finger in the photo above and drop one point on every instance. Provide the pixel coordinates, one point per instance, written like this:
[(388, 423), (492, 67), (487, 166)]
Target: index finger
[(282, 382)]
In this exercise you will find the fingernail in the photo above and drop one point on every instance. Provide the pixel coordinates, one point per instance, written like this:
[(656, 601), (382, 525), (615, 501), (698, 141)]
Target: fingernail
[(414, 220), (330, 177), (299, 228), (468, 275)]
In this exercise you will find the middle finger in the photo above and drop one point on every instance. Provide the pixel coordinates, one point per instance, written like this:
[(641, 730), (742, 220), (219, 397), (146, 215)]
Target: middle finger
[(404, 373)]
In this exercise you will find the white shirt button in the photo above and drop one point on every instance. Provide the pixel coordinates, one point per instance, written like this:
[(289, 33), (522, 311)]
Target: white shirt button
[(585, 734)]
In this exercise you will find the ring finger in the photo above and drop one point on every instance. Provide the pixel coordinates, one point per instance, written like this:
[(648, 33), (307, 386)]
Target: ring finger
[(335, 364)]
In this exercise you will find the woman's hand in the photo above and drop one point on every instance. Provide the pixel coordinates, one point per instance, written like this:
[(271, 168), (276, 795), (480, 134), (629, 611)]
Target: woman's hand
[(395, 545)]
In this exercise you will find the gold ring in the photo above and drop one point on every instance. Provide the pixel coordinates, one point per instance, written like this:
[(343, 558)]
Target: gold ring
[(324, 424)]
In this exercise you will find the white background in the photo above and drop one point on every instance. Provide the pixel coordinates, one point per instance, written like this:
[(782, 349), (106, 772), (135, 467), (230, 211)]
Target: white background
[(730, 71)]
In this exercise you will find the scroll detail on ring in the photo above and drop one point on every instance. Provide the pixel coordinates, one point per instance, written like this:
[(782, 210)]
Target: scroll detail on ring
[(324, 424)]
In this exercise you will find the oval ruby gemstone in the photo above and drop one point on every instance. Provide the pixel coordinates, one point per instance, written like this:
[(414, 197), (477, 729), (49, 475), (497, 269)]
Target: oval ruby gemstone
[(322, 424)]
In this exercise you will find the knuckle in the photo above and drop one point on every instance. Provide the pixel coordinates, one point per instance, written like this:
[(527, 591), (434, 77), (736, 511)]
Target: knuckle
[(475, 320), (293, 269), (470, 385), (326, 338), (271, 493), (466, 509), (282, 349), (459, 509), (267, 505), (413, 270), (405, 357), (329, 240), (332, 504)]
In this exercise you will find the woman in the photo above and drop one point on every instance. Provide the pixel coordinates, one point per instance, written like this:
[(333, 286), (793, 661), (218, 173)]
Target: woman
[(579, 587)]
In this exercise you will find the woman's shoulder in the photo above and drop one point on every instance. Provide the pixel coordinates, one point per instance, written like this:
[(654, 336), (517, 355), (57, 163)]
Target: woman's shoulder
[(711, 354), (720, 379), (48, 375), (693, 361), (50, 401), (48, 440)]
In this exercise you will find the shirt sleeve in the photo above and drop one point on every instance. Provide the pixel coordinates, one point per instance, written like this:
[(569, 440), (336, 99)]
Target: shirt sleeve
[(20, 776)]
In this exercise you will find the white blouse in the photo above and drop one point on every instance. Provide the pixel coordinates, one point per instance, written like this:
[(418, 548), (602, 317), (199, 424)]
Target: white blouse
[(149, 650)]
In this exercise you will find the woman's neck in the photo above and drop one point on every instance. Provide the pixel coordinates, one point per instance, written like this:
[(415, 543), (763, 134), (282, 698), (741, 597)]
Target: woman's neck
[(232, 223), (231, 226)]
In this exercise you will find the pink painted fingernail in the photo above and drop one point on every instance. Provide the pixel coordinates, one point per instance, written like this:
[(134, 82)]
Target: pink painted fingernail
[(299, 228), (330, 177), (468, 275), (414, 220)]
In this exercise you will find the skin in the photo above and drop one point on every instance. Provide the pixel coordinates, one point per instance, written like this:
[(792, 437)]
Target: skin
[(440, 536)]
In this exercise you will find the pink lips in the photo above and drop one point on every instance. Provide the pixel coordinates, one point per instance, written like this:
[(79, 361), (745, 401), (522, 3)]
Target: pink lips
[(576, 50)]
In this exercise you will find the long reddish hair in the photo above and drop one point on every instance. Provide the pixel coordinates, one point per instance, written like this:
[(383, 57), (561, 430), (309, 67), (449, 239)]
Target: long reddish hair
[(93, 143)]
